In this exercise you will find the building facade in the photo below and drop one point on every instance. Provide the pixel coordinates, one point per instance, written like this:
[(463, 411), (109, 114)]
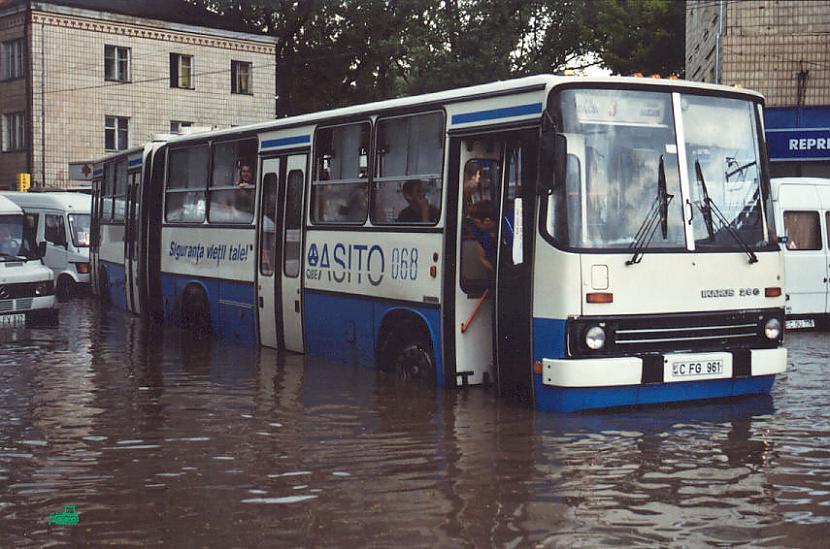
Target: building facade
[(79, 80), (781, 49)]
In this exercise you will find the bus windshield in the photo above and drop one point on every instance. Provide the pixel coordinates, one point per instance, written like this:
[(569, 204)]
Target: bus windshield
[(616, 141), (723, 165), (79, 227)]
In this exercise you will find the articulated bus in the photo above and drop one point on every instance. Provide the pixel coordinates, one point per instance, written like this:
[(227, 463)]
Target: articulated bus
[(577, 243)]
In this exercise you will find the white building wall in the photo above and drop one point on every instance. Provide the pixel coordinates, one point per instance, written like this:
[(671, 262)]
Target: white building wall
[(67, 62)]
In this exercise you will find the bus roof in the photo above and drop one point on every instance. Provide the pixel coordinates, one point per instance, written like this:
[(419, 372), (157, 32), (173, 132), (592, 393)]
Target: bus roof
[(7, 207), (502, 87), (70, 202)]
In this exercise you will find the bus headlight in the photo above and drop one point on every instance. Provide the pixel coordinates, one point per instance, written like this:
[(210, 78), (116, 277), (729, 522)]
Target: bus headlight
[(772, 329), (595, 338)]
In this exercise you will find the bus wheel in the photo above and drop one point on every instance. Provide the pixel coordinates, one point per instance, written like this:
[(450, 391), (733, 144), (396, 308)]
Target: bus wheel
[(196, 312), (409, 357), (65, 288)]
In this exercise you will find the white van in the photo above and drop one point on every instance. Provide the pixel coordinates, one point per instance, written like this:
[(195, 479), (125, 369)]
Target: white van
[(802, 214), (62, 220), (26, 284)]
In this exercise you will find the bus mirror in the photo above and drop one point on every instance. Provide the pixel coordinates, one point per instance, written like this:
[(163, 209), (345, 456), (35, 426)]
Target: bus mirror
[(553, 161)]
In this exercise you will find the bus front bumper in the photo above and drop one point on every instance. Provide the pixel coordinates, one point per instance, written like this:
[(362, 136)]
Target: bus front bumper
[(666, 368)]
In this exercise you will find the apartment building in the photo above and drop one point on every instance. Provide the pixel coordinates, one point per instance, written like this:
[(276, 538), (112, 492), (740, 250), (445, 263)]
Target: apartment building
[(781, 49), (82, 78)]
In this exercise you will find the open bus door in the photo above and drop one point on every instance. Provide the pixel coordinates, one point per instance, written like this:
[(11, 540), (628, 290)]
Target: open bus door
[(492, 283), (514, 288), (132, 235), (95, 232), (279, 292)]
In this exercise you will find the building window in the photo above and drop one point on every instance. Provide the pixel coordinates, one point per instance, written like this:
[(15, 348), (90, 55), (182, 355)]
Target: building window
[(11, 59), (177, 125), (117, 63), (241, 77), (14, 135), (116, 131), (181, 71)]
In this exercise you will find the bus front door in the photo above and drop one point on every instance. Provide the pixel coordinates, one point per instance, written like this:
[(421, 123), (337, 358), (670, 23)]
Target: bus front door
[(514, 288), (267, 271), (479, 170)]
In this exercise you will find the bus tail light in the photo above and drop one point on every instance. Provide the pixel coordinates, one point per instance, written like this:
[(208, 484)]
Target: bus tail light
[(537, 367), (433, 271), (772, 292), (83, 268), (599, 297)]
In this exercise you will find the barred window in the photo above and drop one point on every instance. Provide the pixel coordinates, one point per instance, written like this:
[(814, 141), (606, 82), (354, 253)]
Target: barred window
[(14, 134), (12, 59)]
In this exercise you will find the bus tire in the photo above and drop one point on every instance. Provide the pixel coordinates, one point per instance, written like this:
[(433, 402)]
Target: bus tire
[(408, 355), (196, 311), (65, 287)]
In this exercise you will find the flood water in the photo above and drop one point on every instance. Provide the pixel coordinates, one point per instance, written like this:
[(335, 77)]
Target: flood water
[(157, 439)]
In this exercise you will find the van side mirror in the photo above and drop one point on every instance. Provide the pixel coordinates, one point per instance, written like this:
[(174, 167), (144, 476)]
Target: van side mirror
[(41, 249), (553, 160)]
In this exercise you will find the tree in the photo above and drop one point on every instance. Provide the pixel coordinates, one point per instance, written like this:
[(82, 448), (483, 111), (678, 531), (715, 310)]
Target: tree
[(646, 36)]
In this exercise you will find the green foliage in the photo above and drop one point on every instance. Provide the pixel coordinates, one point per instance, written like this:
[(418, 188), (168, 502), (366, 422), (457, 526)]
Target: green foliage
[(646, 36), (333, 53)]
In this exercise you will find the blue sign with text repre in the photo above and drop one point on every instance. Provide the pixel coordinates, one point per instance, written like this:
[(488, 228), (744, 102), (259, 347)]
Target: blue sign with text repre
[(811, 144)]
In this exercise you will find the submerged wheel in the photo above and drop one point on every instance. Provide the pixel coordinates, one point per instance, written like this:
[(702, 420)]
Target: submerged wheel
[(407, 354), (65, 287), (196, 312)]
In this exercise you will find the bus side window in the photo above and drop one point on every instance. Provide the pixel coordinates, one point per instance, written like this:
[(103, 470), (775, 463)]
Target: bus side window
[(340, 190), (186, 184), (409, 156), (232, 183), (120, 191)]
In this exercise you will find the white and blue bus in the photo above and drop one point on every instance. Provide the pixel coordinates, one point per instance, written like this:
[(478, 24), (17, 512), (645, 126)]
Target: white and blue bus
[(576, 242)]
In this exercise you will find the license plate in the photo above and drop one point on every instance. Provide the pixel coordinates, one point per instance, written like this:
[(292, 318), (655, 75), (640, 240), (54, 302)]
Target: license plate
[(693, 367), (13, 320), (802, 323)]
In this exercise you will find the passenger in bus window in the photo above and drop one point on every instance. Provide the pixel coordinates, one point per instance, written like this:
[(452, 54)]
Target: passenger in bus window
[(419, 209), (483, 229), (471, 187), (357, 203), (246, 176)]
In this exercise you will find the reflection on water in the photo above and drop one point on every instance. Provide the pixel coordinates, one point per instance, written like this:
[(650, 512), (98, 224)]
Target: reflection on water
[(162, 440)]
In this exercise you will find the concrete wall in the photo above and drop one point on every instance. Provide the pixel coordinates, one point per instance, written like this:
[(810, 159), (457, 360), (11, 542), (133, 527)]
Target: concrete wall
[(764, 47)]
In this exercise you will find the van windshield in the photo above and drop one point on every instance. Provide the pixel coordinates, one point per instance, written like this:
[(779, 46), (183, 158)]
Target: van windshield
[(11, 236), (79, 227)]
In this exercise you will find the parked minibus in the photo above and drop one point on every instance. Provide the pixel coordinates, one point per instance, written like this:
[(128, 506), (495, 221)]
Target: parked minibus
[(802, 208), (26, 284), (577, 243), (62, 220)]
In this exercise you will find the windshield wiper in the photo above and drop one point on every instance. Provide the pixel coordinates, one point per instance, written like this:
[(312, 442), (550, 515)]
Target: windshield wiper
[(658, 214), (707, 207), (4, 255)]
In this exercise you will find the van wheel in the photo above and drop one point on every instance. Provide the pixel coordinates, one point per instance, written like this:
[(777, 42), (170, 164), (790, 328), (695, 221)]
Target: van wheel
[(408, 356), (65, 288), (196, 312)]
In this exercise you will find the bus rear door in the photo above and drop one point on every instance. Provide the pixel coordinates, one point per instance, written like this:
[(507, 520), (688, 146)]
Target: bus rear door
[(279, 290), (132, 234)]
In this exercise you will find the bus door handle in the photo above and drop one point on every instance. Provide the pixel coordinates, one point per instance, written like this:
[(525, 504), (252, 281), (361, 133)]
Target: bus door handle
[(296, 305), (261, 303), (691, 211)]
